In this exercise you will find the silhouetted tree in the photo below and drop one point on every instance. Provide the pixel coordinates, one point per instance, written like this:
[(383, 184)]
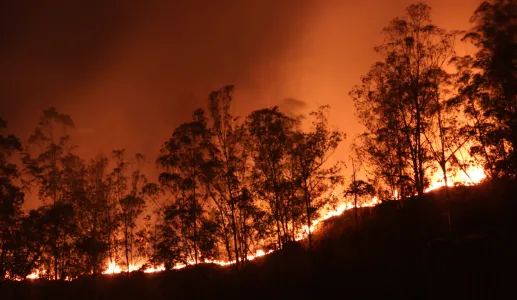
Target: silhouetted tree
[(118, 190), (11, 200), (53, 158), (186, 160), (395, 100), (488, 83), (227, 163), (93, 214), (30, 241), (145, 239), (270, 138), (147, 236), (131, 207), (358, 188), (310, 153)]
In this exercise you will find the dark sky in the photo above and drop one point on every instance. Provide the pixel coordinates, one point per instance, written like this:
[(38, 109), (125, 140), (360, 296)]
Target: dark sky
[(129, 71)]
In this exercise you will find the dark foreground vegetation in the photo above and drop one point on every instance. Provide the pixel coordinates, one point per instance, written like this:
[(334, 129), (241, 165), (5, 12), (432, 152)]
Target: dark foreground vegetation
[(402, 251)]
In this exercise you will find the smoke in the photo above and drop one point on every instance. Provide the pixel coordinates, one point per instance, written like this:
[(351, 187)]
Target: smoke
[(294, 108), (128, 72)]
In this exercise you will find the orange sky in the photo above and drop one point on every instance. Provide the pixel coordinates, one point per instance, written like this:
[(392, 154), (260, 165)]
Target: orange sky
[(128, 73)]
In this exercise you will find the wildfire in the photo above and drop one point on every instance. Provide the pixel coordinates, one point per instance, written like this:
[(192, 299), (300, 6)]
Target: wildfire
[(157, 269), (471, 176), (113, 268), (333, 213), (33, 275)]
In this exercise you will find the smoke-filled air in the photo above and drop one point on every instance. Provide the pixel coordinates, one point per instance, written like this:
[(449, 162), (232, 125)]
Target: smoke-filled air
[(202, 149)]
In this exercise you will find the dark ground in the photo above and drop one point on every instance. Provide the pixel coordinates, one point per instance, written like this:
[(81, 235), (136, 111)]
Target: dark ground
[(399, 252)]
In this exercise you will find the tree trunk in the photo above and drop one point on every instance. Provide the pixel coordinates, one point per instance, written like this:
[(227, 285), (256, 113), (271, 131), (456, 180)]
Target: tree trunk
[(308, 210), (447, 199), (126, 243), (234, 227), (277, 217), (356, 212), (226, 237), (195, 239)]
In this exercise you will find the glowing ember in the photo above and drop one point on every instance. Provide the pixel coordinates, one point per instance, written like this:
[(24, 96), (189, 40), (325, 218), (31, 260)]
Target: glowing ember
[(157, 269)]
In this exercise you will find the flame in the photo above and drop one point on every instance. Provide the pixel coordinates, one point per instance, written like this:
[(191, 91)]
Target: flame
[(33, 275), (153, 270), (471, 176), (113, 268)]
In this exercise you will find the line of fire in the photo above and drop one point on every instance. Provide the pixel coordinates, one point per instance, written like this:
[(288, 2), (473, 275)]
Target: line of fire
[(420, 199)]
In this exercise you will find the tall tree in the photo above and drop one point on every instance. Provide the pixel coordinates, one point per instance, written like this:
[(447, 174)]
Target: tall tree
[(132, 205), (488, 83), (313, 176), (93, 211), (118, 188), (395, 98), (52, 152), (227, 162), (186, 160), (11, 200), (270, 138), (229, 190)]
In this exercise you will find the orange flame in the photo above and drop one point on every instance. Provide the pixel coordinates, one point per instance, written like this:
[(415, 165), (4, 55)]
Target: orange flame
[(471, 176), (33, 275)]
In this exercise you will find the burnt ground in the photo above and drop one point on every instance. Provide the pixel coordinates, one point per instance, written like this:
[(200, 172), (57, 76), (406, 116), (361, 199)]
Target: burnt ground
[(399, 251)]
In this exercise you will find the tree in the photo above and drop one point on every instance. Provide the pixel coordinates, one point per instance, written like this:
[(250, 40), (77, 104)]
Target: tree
[(11, 201), (395, 99), (185, 158), (53, 157), (145, 240), (147, 237), (118, 187), (227, 163), (235, 207), (93, 214), (270, 135), (131, 207), (488, 84), (29, 243), (448, 136), (310, 153), (358, 189)]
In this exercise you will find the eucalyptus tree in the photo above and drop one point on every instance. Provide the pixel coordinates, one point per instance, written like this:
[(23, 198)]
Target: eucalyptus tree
[(310, 154), (11, 201), (270, 135), (50, 162), (395, 100), (488, 84), (185, 158)]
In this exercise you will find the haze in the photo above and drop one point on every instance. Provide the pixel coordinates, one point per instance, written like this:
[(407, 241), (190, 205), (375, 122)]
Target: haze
[(129, 72)]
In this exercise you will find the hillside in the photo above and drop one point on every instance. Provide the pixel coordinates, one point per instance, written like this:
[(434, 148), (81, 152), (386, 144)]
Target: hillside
[(402, 251)]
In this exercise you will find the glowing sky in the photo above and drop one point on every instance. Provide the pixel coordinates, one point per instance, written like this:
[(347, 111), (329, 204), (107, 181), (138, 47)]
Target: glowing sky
[(129, 73)]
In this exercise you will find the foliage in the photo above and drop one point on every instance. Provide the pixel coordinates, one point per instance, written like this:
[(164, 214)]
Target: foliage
[(488, 86), (11, 200), (396, 101)]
